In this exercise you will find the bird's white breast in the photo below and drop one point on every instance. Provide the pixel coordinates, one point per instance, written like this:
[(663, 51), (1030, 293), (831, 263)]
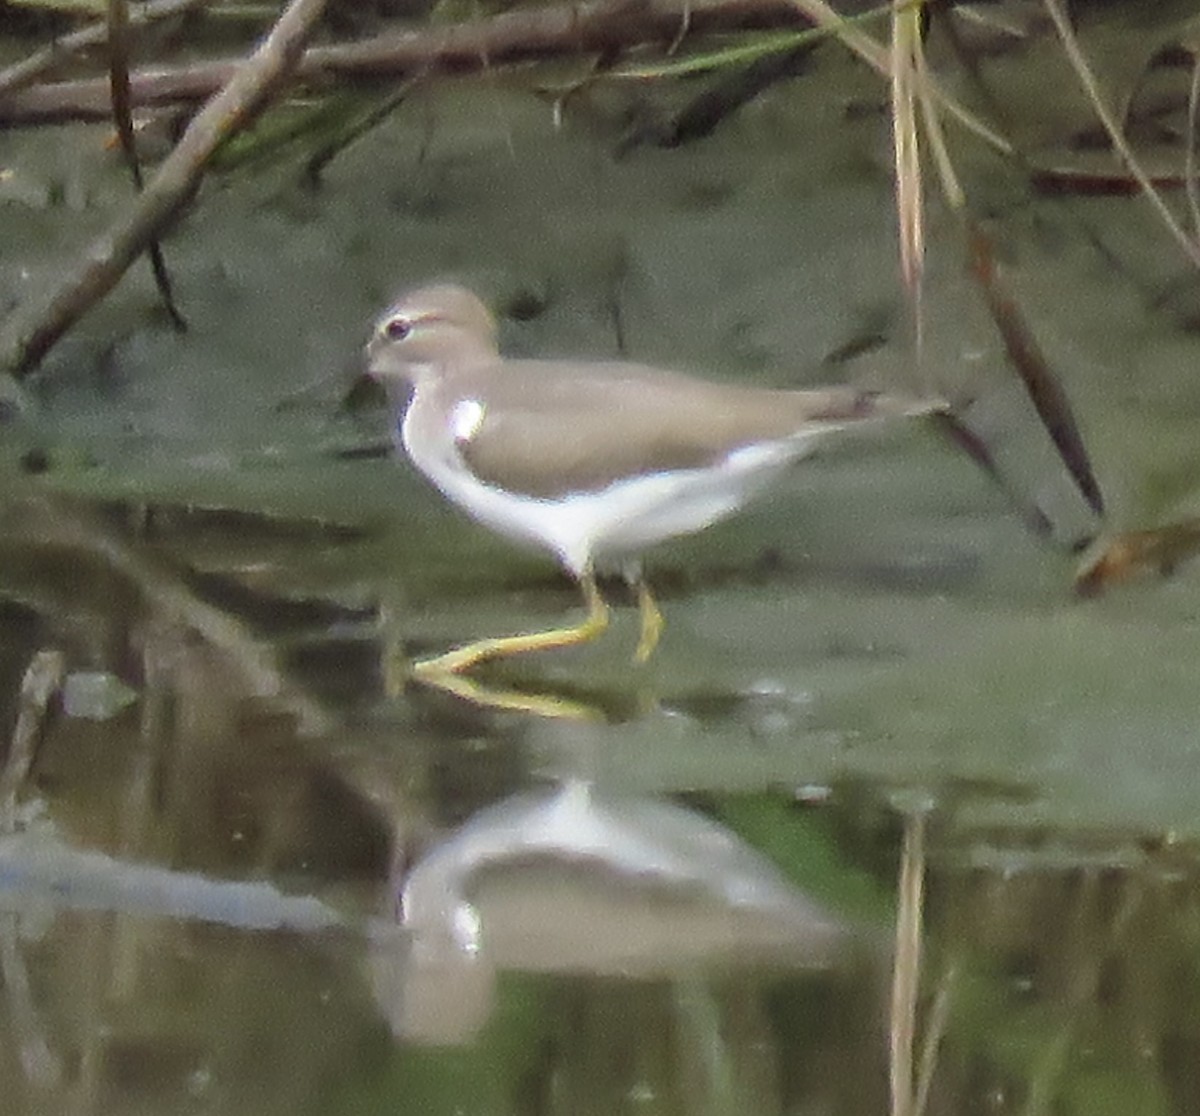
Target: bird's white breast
[(582, 528)]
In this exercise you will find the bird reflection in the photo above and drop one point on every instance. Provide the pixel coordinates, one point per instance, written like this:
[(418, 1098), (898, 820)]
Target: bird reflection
[(580, 881)]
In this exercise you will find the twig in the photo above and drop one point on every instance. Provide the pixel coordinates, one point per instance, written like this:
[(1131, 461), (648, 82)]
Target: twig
[(906, 151), (118, 85), (907, 966), (528, 33), (516, 36), (41, 682), (327, 152), (935, 1029), (24, 343), (37, 65), (875, 55), (1024, 354), (701, 116), (118, 77), (42, 1067), (1116, 137), (600, 26), (1189, 161)]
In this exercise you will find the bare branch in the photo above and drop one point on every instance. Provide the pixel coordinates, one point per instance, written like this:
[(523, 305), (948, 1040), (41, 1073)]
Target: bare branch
[(26, 337), (521, 35), (37, 65)]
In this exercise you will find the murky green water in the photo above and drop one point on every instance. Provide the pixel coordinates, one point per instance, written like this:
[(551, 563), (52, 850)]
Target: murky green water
[(267, 886)]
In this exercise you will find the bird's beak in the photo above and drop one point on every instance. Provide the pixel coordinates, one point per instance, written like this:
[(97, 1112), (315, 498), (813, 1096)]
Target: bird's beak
[(370, 359)]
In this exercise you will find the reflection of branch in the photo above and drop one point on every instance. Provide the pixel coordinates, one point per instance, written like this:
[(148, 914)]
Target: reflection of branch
[(39, 863), (43, 677), (42, 1066), (906, 969), (167, 596), (24, 343), (527, 33)]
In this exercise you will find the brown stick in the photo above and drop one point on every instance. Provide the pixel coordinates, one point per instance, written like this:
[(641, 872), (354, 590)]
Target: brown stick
[(595, 25), (1041, 384), (27, 337), (122, 112)]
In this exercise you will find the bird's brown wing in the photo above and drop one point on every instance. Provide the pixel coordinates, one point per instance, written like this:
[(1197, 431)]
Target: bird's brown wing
[(548, 429)]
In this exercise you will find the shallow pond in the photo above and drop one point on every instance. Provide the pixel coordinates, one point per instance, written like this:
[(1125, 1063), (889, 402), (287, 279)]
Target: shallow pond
[(240, 876)]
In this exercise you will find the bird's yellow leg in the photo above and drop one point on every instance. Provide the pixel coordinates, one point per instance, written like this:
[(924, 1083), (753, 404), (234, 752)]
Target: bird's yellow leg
[(652, 621), (497, 647), (550, 706)]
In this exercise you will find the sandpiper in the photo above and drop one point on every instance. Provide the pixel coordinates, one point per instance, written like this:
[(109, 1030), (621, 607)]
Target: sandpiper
[(594, 461)]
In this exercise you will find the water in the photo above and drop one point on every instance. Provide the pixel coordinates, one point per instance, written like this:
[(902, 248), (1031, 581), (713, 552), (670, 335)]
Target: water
[(268, 885)]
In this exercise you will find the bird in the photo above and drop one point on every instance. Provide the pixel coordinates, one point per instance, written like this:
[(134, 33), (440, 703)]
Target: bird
[(594, 461)]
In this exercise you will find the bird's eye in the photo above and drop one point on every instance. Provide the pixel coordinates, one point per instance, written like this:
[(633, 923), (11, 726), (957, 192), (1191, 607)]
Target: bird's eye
[(397, 329)]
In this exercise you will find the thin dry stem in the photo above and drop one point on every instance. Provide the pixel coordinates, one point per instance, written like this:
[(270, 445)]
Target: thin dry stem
[(1189, 167), (936, 135), (876, 56), (907, 967), (939, 1017), (1087, 80), (119, 46), (906, 150)]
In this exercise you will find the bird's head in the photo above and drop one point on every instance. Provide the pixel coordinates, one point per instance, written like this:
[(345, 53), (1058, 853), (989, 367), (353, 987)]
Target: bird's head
[(429, 332)]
